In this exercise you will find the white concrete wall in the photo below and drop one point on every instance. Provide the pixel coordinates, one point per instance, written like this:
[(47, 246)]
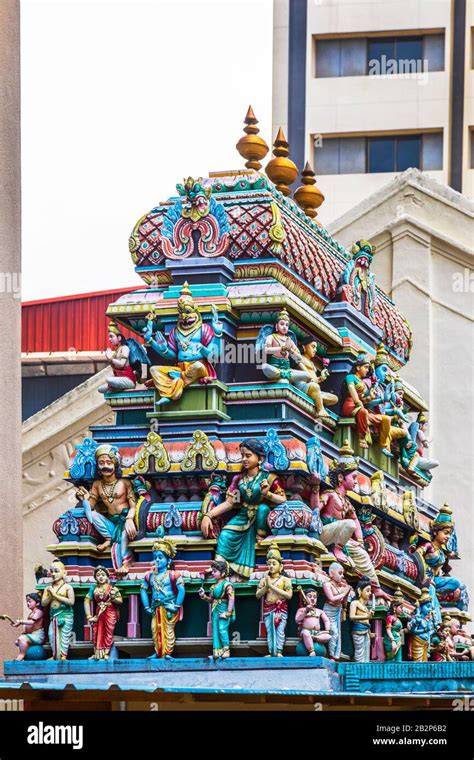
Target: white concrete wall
[(280, 66)]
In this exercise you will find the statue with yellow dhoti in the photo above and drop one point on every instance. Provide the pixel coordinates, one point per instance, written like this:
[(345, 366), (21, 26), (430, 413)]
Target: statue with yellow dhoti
[(190, 345)]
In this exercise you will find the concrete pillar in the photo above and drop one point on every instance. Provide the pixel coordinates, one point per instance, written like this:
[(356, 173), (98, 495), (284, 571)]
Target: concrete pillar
[(11, 546)]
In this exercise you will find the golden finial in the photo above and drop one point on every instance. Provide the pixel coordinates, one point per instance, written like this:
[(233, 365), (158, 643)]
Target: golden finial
[(281, 170), (251, 146), (185, 290), (307, 195)]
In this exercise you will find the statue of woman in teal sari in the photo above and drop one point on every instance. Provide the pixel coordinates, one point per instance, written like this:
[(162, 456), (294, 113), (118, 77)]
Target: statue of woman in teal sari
[(251, 496)]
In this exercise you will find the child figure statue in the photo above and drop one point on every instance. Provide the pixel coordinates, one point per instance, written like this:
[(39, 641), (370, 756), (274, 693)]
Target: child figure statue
[(421, 627), (338, 593), (360, 616), (33, 630), (392, 640), (106, 598), (167, 595), (310, 619), (59, 596), (222, 600), (275, 588)]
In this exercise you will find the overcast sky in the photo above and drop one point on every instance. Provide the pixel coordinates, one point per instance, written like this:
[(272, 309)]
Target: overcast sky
[(121, 100)]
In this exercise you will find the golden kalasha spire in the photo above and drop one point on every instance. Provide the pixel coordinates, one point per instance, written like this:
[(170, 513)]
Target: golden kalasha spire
[(307, 195), (281, 170), (251, 146)]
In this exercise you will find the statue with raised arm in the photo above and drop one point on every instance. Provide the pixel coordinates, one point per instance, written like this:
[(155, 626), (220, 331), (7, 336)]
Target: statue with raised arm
[(116, 494), (162, 595), (338, 593), (342, 532), (314, 626), (59, 597), (33, 626), (277, 346), (190, 346), (252, 494)]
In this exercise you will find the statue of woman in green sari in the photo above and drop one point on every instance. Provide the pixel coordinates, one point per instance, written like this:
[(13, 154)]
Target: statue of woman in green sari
[(251, 496)]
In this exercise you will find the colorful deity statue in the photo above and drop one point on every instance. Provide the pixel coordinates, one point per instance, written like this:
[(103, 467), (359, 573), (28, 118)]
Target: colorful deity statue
[(117, 496), (59, 597), (419, 435), (342, 532), (277, 345), (276, 590), (167, 590), (312, 388), (215, 495), (463, 644), (33, 626), (221, 597), (190, 344), (357, 404), (392, 640), (126, 357), (250, 497), (445, 590), (420, 628), (338, 593), (314, 626), (104, 618), (357, 281), (360, 616)]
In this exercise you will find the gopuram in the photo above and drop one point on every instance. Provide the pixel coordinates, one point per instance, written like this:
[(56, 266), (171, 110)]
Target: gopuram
[(255, 515)]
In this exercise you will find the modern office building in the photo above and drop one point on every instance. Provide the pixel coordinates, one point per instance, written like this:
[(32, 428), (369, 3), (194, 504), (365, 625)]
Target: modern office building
[(365, 89)]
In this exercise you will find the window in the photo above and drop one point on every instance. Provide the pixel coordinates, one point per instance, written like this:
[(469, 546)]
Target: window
[(361, 56), (391, 153), (472, 148)]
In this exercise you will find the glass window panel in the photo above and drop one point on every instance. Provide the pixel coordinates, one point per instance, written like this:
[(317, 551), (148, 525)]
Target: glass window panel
[(434, 52), (379, 51), (432, 152), (326, 156), (409, 54), (471, 135), (328, 58), (352, 155), (408, 152), (381, 154), (353, 57)]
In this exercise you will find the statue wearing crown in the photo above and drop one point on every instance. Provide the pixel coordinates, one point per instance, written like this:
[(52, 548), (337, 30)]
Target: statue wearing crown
[(277, 346), (115, 494), (162, 595), (357, 281), (190, 345), (342, 532), (126, 357)]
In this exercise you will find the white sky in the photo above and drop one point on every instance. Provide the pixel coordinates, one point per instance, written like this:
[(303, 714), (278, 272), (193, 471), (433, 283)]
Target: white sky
[(120, 101)]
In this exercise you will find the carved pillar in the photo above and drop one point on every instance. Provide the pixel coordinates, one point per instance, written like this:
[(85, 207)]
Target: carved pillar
[(11, 516), (133, 625), (377, 653)]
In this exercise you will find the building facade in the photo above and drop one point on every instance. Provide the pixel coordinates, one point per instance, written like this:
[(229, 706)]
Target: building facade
[(365, 90)]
